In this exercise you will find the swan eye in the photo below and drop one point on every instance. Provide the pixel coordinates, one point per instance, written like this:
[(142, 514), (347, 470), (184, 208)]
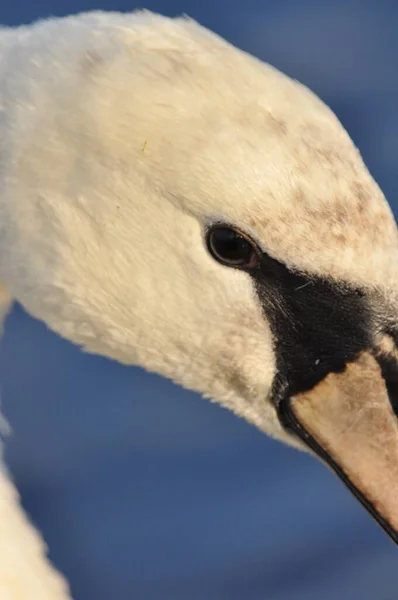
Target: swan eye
[(231, 248)]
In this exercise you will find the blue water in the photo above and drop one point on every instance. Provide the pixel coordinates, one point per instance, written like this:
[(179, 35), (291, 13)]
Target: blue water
[(146, 492)]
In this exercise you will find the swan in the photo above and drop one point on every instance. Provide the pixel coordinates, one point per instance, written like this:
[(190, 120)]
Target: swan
[(170, 201)]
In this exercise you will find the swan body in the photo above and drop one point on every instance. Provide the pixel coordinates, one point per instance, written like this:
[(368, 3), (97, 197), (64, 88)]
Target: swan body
[(124, 139)]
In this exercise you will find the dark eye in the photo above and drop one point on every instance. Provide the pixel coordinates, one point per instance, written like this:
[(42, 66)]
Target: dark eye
[(231, 248)]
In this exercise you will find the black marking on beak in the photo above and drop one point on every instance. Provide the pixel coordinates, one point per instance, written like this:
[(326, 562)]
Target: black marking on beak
[(319, 326)]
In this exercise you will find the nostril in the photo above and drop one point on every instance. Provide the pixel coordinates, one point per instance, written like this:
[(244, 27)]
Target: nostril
[(389, 370), (392, 389)]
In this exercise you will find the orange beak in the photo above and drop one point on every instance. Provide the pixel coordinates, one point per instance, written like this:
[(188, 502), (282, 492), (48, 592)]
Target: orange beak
[(349, 422)]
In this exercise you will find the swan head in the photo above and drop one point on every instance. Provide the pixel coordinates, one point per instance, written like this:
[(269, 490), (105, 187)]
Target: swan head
[(171, 202)]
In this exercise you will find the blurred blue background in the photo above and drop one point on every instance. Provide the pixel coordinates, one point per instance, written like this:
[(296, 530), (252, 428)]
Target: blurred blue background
[(146, 492)]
